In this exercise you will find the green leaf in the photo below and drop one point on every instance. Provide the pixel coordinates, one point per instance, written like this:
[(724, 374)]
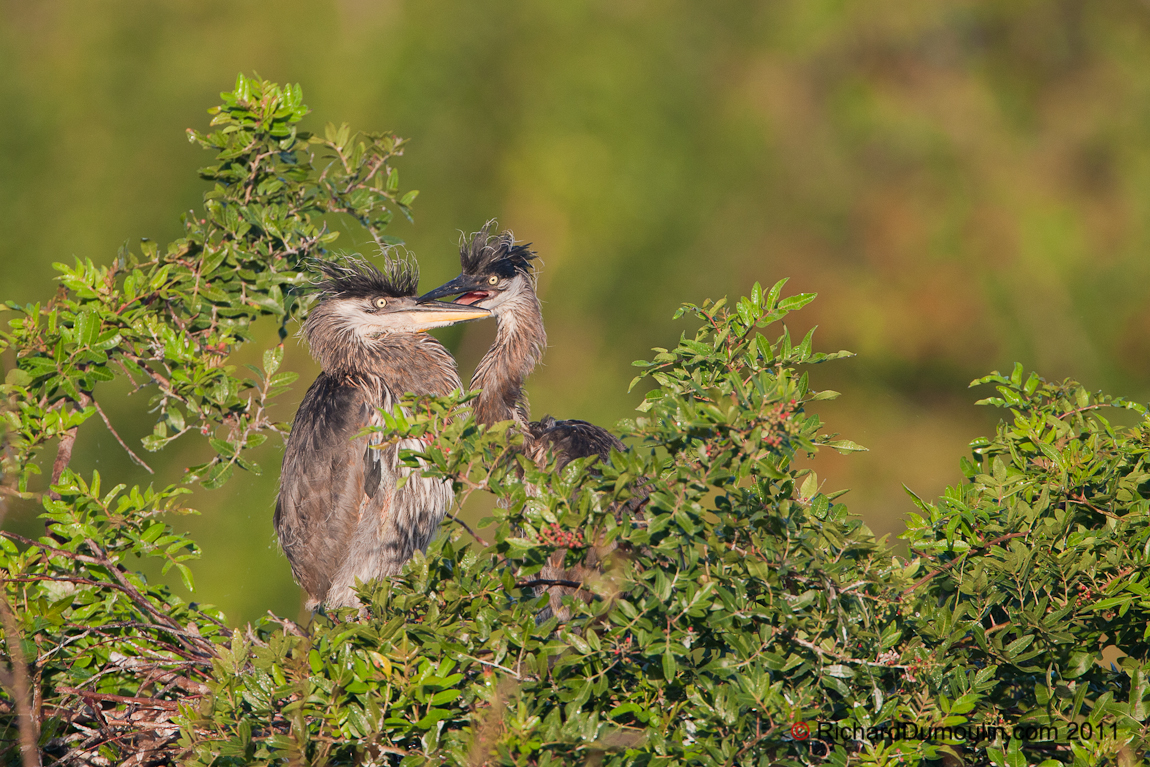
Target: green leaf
[(272, 359), (432, 717), (87, 327), (845, 446), (796, 302), (223, 448)]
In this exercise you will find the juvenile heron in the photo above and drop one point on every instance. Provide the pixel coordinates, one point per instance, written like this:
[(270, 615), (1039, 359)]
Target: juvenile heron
[(339, 515), (497, 275)]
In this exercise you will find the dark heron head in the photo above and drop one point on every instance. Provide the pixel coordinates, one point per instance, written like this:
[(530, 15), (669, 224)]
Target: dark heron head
[(359, 305), (495, 271)]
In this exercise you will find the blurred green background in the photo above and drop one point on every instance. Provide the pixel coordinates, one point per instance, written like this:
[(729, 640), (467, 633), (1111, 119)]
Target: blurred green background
[(965, 184)]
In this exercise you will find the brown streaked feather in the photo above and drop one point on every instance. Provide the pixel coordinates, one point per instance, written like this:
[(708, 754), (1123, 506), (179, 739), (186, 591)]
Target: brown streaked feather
[(323, 482), (571, 439)]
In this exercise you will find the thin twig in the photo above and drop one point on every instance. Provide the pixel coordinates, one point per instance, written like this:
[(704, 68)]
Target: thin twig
[(839, 655), (288, 624), (1076, 411), (64, 552), (494, 665), (466, 527), (1081, 501), (123, 444), (170, 705), (548, 582)]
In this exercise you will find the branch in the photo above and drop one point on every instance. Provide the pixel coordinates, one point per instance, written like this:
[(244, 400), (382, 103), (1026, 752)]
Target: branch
[(171, 627), (548, 582), (170, 705), (838, 655), (124, 445), (192, 642), (956, 560), (466, 527), (202, 646), (64, 450), (18, 683)]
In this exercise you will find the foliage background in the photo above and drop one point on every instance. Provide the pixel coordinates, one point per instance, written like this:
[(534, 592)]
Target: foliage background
[(964, 183)]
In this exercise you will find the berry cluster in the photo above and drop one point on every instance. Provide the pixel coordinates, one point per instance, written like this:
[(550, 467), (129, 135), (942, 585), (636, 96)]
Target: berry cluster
[(554, 535), (623, 649), (779, 419), (1085, 595), (917, 666)]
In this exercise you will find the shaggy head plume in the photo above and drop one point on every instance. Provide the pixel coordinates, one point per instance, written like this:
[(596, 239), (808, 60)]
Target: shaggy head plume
[(485, 253), (355, 278)]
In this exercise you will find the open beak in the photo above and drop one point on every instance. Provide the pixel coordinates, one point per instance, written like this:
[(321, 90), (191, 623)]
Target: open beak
[(439, 315), (459, 286)]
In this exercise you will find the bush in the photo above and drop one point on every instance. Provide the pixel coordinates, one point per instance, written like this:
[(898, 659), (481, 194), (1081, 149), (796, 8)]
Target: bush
[(739, 615)]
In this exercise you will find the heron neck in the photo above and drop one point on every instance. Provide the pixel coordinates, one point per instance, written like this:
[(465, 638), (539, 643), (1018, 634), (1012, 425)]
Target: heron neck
[(404, 363), (519, 343)]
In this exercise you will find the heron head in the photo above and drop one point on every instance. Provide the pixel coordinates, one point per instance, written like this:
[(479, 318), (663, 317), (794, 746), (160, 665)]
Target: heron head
[(358, 302), (495, 271)]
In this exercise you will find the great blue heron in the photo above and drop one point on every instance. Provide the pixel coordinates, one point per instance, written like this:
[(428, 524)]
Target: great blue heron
[(496, 275), (339, 515)]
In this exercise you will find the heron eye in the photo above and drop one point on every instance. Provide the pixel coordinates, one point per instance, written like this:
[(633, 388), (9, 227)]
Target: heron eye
[(492, 279), (380, 303)]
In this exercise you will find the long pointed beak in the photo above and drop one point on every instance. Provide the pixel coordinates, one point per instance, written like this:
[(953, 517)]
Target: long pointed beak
[(439, 315), (456, 287)]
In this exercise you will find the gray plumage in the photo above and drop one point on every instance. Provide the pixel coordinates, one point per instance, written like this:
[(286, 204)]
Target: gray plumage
[(497, 275), (339, 515)]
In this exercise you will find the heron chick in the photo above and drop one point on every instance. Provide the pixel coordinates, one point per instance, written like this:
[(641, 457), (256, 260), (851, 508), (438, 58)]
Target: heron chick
[(339, 516), (497, 275)]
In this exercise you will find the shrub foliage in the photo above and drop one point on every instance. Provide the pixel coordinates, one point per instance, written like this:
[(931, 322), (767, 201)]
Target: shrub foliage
[(737, 614)]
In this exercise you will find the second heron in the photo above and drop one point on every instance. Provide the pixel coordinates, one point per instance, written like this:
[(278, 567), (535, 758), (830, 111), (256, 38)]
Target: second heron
[(497, 276)]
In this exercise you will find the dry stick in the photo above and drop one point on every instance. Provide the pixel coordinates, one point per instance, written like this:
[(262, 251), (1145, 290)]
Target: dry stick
[(169, 705), (288, 624), (64, 450), (203, 646), (29, 752), (194, 645), (123, 444), (63, 457)]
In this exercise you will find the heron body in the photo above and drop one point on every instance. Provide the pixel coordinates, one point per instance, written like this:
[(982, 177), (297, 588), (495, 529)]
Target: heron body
[(340, 516), (496, 275)]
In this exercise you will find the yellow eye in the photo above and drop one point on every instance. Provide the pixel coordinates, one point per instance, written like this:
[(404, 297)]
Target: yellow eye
[(492, 280), (380, 303)]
